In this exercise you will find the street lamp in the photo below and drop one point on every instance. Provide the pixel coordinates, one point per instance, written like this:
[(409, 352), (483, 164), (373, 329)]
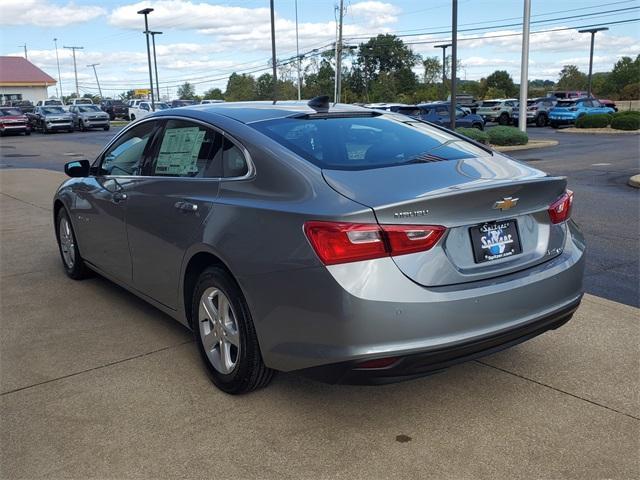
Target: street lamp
[(592, 31), (444, 61), (146, 12), (155, 61)]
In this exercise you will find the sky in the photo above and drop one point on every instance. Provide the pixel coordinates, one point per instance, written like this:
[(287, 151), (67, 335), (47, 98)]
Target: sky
[(204, 41)]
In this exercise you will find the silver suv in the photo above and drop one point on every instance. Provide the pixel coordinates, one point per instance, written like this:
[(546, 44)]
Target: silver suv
[(498, 110), (537, 111)]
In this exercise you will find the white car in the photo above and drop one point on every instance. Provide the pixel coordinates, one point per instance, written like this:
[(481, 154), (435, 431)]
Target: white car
[(143, 108), (50, 102), (206, 102)]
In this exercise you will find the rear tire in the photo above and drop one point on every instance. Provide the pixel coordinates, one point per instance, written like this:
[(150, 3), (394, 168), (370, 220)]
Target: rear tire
[(72, 262), (541, 121), (503, 119), (479, 126), (225, 334)]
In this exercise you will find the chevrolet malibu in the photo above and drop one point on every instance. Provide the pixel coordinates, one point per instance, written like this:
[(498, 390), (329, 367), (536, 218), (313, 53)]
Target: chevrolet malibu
[(347, 244)]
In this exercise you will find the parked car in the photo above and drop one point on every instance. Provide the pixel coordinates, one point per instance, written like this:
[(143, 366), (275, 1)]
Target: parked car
[(567, 94), (25, 106), (143, 109), (537, 111), (115, 108), (49, 119), (498, 110), (181, 103), (80, 101), (12, 120), (566, 112), (439, 113), (608, 103), (206, 102), (467, 102), (86, 117), (348, 244), (50, 102)]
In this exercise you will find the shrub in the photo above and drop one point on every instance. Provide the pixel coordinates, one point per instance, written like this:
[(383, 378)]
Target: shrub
[(507, 136), (474, 134), (632, 113), (630, 91), (626, 122), (599, 120)]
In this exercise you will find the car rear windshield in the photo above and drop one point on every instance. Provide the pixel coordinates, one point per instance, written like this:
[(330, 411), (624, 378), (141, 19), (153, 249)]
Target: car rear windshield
[(358, 143), (53, 110), (490, 104), (89, 108), (52, 102)]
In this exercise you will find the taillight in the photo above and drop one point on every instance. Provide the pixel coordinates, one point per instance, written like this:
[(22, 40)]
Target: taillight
[(336, 242), (560, 210)]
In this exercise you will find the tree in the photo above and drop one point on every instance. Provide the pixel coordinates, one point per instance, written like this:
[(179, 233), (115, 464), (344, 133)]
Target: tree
[(186, 91), (240, 88), (571, 78), (264, 87), (318, 79), (432, 70), (213, 94), (500, 80), (493, 92), (625, 72)]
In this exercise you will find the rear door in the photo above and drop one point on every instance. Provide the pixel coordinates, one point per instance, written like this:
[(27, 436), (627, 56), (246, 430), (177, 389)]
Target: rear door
[(168, 208)]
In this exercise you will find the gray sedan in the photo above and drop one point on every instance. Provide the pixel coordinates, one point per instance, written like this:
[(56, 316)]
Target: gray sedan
[(348, 244), (89, 116)]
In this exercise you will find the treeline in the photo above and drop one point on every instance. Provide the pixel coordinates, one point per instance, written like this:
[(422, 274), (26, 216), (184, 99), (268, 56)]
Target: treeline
[(384, 70)]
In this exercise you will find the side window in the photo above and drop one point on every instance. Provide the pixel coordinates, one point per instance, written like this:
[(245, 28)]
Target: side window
[(596, 103), (124, 156), (188, 150), (234, 163), (442, 111)]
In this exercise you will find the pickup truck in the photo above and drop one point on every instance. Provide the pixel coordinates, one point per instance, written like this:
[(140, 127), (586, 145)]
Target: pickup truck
[(48, 119), (89, 116), (12, 120), (115, 108), (142, 109)]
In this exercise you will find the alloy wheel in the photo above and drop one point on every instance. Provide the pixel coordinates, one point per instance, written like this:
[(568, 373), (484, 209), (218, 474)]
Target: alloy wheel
[(219, 330), (67, 244)]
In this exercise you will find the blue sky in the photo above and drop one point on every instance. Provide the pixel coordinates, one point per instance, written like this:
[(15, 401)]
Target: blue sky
[(204, 41)]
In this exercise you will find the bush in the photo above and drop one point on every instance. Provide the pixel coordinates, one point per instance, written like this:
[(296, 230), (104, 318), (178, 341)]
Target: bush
[(632, 113), (626, 122), (507, 136), (474, 134), (599, 120)]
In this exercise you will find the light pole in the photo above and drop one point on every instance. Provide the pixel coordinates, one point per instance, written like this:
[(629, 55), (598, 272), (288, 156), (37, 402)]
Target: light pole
[(592, 31), (524, 67), (298, 55), (339, 55), (96, 74), (273, 52), (155, 61), (145, 12), (75, 68), (55, 41), (444, 62), (454, 62)]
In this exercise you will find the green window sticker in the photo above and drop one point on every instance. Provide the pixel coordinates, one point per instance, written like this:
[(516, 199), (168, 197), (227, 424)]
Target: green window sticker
[(179, 151)]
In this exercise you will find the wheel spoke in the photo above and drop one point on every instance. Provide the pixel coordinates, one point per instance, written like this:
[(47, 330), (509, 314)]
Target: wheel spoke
[(231, 335), (210, 310), (223, 308), (209, 341), (225, 356)]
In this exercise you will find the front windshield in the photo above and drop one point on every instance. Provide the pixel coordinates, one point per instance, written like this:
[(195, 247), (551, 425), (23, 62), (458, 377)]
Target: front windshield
[(50, 110), (10, 111), (161, 106), (357, 143), (89, 108)]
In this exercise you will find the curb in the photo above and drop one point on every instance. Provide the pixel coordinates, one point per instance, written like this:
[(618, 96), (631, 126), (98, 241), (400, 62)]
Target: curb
[(597, 131), (533, 144), (634, 181)]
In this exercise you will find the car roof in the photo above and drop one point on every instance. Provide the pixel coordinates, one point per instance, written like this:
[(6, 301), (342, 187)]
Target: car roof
[(248, 112)]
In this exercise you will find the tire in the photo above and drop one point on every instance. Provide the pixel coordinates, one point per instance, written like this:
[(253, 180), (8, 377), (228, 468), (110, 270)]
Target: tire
[(479, 126), (503, 119), (132, 118), (27, 132), (233, 368), (553, 124), (541, 120), (106, 129), (72, 262)]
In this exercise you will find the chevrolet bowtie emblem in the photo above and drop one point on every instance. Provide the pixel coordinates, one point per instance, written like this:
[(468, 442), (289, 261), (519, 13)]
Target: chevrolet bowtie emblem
[(506, 203)]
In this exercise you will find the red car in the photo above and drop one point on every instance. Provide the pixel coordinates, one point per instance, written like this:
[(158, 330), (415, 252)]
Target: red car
[(12, 120)]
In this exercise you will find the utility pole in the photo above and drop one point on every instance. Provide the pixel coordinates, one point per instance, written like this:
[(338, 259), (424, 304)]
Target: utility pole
[(339, 58), (454, 62), (524, 67), (155, 61), (146, 12), (444, 63), (593, 32), (75, 68), (298, 55), (55, 41), (25, 50), (96, 74), (273, 53)]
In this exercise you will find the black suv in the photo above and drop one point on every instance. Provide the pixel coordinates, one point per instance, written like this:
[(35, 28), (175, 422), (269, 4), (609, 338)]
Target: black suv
[(115, 108)]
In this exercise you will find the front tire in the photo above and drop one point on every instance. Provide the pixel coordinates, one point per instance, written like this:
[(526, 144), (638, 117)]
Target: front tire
[(72, 262), (106, 129), (503, 119), (541, 121), (225, 334), (479, 126)]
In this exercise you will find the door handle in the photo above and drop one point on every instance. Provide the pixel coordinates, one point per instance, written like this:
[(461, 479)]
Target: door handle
[(186, 206), (119, 197)]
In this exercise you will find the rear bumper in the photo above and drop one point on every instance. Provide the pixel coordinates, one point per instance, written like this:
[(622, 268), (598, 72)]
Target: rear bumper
[(433, 361), (337, 316)]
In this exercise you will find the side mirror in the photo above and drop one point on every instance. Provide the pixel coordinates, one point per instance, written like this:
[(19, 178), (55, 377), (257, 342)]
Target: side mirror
[(77, 168)]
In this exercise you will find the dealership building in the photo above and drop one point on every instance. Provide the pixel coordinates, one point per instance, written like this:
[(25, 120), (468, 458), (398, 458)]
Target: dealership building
[(22, 80)]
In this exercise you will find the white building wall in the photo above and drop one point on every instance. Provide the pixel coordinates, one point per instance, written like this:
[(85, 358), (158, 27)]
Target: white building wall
[(33, 94)]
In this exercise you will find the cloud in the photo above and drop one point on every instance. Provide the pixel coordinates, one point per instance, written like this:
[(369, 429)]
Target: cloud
[(374, 13), (45, 14)]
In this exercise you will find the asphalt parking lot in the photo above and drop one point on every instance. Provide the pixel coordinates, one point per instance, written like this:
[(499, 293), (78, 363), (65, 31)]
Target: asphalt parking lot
[(96, 383)]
